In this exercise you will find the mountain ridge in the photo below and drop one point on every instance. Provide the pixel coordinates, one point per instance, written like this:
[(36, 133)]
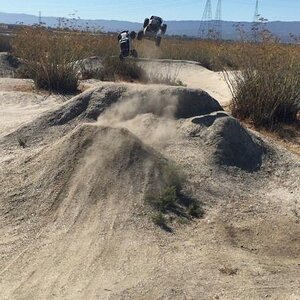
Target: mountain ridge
[(189, 28)]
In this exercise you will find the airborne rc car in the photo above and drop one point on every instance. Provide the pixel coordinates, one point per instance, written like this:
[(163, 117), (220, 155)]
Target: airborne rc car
[(125, 41), (154, 29)]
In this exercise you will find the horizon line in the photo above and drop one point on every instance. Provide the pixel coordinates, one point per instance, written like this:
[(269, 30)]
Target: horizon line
[(119, 20)]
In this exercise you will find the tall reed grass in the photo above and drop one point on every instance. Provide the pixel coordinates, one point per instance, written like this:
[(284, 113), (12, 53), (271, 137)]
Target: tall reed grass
[(50, 58), (266, 84)]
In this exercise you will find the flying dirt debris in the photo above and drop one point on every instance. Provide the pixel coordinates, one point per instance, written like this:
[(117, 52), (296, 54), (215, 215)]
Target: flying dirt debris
[(154, 29), (125, 41)]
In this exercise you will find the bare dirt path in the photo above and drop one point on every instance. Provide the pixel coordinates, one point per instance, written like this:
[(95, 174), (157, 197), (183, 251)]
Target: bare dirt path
[(73, 224), (19, 103), (193, 75)]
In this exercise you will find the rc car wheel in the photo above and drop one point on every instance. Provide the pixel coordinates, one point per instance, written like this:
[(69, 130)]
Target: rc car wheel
[(158, 41), (146, 22), (163, 28), (134, 53), (132, 35), (140, 35)]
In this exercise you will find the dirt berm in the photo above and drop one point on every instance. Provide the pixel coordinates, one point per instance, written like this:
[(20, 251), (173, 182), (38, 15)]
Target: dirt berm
[(74, 224)]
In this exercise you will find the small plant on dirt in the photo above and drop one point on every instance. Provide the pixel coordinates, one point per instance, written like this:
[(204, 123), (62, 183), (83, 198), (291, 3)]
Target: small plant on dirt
[(229, 271), (22, 141), (174, 177), (159, 219), (171, 200), (195, 210), (163, 201)]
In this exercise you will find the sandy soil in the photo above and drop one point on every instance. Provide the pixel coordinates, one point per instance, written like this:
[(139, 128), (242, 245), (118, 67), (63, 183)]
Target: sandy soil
[(193, 75), (73, 223), (19, 103)]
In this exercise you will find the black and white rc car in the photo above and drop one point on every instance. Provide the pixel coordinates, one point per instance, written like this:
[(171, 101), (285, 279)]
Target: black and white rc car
[(125, 42), (154, 29)]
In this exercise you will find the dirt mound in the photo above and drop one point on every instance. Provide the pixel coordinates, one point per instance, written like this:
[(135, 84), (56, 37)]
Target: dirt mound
[(176, 102), (92, 163), (92, 180), (232, 145), (153, 99)]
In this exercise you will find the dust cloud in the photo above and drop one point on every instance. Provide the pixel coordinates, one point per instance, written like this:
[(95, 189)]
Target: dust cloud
[(150, 117)]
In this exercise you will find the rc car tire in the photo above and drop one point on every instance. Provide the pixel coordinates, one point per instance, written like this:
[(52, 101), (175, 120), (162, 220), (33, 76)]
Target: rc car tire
[(158, 41), (164, 28), (134, 53), (132, 35), (140, 35), (146, 23)]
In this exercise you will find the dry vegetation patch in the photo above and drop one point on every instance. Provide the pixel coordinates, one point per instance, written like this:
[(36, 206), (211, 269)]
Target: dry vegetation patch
[(266, 89), (5, 43), (49, 58)]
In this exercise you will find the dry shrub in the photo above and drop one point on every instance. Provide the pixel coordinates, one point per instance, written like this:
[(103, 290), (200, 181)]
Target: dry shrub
[(103, 45), (50, 58), (211, 54), (5, 43), (129, 70), (164, 200), (167, 76), (266, 89), (171, 201), (115, 70), (204, 52)]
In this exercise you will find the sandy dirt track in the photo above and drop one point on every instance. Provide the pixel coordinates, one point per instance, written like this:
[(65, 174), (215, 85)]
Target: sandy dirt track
[(73, 223), (20, 104), (193, 75)]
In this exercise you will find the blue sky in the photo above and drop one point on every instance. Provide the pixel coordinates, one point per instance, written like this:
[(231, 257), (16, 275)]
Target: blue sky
[(137, 10)]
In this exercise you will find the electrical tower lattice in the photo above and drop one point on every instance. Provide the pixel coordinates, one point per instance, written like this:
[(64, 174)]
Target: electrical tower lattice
[(256, 14), (256, 23), (206, 22), (40, 18), (218, 21)]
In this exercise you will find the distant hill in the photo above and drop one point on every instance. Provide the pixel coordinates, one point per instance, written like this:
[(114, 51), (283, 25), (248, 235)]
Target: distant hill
[(188, 28)]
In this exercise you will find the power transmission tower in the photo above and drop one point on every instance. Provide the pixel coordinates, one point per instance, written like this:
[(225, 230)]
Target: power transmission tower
[(205, 28), (40, 18), (256, 21), (218, 21), (256, 14)]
